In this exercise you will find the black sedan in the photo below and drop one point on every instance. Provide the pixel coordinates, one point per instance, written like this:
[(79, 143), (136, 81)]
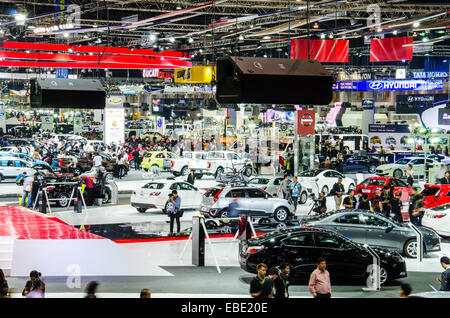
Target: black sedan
[(360, 163), (302, 247)]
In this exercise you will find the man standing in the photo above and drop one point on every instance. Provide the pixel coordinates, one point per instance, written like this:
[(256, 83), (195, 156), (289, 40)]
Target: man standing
[(350, 201), (97, 160), (445, 276), (175, 212), (260, 286), (415, 207), (396, 207), (386, 197), (338, 191), (282, 281), (191, 177), (233, 212), (27, 190), (284, 187), (135, 155), (446, 178), (319, 282), (295, 191)]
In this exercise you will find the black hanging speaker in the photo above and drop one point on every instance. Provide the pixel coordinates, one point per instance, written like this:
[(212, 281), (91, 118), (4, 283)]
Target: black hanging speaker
[(67, 93), (272, 81)]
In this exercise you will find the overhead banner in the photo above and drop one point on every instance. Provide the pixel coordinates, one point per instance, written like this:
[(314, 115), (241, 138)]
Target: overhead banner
[(417, 103), (114, 127), (306, 122), (320, 50), (195, 75), (391, 49), (47, 122)]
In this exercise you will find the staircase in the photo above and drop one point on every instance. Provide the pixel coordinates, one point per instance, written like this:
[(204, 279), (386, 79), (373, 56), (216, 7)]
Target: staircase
[(6, 253)]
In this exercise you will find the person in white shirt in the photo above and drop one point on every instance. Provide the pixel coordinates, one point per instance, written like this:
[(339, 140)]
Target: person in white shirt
[(97, 160)]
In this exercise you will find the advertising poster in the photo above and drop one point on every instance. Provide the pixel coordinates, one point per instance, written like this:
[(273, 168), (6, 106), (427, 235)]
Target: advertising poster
[(78, 125), (114, 124), (387, 135), (272, 115), (47, 123)]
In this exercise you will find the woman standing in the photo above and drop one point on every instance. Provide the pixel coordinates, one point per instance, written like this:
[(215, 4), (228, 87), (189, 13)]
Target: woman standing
[(409, 175)]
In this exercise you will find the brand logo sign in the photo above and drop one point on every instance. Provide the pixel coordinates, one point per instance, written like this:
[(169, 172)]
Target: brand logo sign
[(150, 72), (114, 100), (306, 122), (405, 85), (430, 74)]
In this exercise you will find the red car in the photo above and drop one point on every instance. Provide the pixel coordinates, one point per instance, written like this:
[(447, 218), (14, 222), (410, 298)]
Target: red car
[(435, 195), (377, 183)]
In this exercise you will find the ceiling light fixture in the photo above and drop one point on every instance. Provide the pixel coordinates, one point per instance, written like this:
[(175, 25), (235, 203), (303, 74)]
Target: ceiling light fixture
[(266, 37), (66, 35), (241, 37), (322, 36), (172, 39), (20, 17), (191, 40), (425, 39), (395, 32), (416, 24), (316, 25)]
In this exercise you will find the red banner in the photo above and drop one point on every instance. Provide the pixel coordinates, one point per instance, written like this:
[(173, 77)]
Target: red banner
[(391, 49), (306, 122), (321, 50)]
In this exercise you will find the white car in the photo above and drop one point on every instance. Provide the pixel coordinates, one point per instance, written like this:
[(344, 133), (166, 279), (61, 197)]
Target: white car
[(398, 168), (154, 195), (325, 179), (271, 185), (438, 219), (440, 158), (180, 166), (11, 167), (216, 162)]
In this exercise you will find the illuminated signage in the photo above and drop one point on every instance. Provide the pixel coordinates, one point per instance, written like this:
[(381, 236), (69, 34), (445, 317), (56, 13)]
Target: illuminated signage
[(430, 74), (390, 85)]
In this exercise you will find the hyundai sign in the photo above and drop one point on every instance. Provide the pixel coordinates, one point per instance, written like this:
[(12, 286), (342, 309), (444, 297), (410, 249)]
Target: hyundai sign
[(390, 85), (404, 85)]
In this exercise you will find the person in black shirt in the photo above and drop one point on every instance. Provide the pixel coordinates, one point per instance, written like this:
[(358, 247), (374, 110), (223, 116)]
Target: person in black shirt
[(445, 276), (364, 203), (35, 191), (338, 191), (91, 289), (281, 282), (415, 207), (386, 197), (135, 155), (34, 284), (396, 207), (191, 177), (350, 201), (261, 286)]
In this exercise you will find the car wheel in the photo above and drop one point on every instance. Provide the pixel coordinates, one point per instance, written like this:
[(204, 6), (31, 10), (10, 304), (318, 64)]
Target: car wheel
[(410, 248), (63, 199), (303, 197), (145, 169), (263, 221), (106, 196), (384, 275), (325, 190), (122, 172), (141, 210), (397, 173), (372, 169), (281, 214), (211, 224), (281, 226), (218, 171), (109, 177), (185, 171), (199, 176)]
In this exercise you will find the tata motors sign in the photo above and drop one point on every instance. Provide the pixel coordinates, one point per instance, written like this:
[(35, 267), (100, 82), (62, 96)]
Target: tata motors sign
[(430, 74), (404, 85)]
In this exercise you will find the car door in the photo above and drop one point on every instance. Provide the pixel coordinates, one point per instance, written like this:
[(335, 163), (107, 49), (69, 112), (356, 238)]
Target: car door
[(191, 196), (342, 258), (377, 233), (272, 189), (349, 225), (258, 203), (300, 252)]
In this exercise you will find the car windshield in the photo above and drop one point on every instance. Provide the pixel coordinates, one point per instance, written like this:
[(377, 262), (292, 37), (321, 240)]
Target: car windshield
[(402, 161), (430, 191), (310, 173), (374, 182)]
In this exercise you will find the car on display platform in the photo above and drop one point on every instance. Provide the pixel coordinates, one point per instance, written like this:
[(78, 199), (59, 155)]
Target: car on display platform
[(435, 195), (254, 201), (374, 229), (438, 219), (301, 247), (155, 195), (325, 179), (11, 167), (371, 184), (156, 159), (398, 168), (217, 162), (360, 163), (26, 157), (180, 166), (272, 184), (440, 158)]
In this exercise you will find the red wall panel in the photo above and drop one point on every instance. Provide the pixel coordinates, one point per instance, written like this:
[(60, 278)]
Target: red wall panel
[(321, 50), (391, 49)]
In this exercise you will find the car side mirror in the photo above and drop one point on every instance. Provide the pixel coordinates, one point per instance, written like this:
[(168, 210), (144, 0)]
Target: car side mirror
[(389, 228)]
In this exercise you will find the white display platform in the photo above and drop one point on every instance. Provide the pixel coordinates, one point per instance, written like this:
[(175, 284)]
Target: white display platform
[(91, 257)]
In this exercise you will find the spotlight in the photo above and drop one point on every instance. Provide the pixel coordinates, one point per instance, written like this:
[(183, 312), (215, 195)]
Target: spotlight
[(395, 32), (266, 37), (241, 37), (132, 49), (66, 35), (20, 17), (172, 39), (316, 25), (331, 35), (152, 37), (191, 40), (425, 39), (70, 49), (201, 50), (416, 24), (322, 36)]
